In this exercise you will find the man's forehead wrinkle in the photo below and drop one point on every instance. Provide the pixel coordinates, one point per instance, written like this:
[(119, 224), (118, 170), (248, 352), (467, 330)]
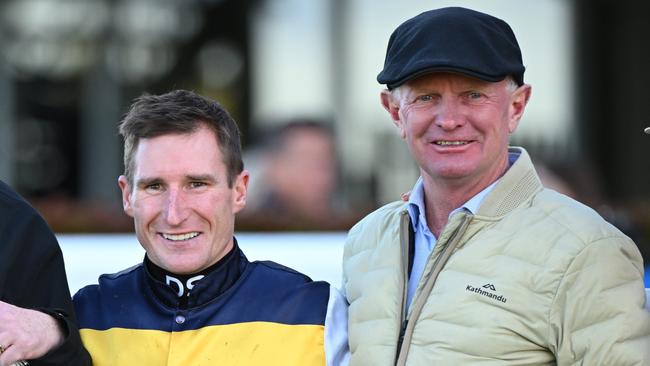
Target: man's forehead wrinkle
[(434, 82)]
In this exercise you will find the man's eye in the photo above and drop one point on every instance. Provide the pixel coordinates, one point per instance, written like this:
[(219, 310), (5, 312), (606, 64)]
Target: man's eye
[(197, 184), (474, 95), (425, 98), (153, 187)]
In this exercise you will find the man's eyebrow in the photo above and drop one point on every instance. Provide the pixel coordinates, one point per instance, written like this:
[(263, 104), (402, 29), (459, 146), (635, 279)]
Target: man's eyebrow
[(422, 89), (145, 181), (202, 178)]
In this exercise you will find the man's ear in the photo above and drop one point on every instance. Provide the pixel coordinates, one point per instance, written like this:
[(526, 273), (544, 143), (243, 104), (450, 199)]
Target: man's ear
[(240, 188), (518, 101), (126, 189), (392, 106)]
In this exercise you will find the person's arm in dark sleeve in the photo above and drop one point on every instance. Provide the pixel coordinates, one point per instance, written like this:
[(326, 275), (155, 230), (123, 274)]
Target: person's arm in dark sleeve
[(34, 278)]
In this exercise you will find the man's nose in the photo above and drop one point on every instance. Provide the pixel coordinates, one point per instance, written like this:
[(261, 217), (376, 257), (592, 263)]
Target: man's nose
[(177, 209), (448, 115)]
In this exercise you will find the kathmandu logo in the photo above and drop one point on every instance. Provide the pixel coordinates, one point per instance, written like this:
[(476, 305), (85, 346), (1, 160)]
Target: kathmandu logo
[(491, 292)]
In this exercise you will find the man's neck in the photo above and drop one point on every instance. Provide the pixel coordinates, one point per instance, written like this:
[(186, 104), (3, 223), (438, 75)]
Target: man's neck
[(439, 205), (183, 283), (443, 197)]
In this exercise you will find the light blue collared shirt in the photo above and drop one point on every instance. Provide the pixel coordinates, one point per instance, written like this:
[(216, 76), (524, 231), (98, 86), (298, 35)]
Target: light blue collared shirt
[(425, 241)]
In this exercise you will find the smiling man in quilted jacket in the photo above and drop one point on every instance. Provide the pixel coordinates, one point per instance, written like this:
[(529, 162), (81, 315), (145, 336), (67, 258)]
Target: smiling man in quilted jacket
[(482, 265)]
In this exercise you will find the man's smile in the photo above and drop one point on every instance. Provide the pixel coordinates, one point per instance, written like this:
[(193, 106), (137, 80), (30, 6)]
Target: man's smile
[(451, 143), (180, 237)]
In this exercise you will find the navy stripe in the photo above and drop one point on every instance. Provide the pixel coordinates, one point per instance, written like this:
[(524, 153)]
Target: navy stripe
[(265, 292)]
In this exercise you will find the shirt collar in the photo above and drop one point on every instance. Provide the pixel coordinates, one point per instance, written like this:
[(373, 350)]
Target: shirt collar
[(416, 204), (219, 278)]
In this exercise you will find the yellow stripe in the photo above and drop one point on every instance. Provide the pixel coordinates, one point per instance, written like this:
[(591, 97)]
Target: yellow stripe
[(254, 343)]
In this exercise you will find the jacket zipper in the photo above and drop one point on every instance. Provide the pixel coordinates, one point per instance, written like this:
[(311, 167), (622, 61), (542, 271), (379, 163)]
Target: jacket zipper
[(404, 246), (406, 332)]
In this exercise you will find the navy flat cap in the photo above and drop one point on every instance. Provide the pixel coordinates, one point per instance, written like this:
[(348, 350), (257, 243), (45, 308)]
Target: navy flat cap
[(452, 40)]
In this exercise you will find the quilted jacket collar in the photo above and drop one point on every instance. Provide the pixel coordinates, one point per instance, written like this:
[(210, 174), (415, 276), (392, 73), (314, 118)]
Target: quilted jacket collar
[(517, 186)]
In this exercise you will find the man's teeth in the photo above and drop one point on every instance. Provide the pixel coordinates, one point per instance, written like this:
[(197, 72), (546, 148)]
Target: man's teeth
[(178, 237), (448, 143)]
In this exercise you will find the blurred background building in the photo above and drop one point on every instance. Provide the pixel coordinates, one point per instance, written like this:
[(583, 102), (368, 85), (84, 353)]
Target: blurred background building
[(69, 69)]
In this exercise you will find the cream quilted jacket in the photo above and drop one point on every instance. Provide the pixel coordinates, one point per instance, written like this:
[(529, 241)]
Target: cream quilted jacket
[(534, 278)]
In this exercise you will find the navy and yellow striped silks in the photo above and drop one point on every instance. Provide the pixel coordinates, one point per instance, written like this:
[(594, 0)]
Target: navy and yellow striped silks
[(270, 316)]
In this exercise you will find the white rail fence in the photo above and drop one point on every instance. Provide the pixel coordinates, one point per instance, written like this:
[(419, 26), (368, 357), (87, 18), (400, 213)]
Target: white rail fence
[(315, 254)]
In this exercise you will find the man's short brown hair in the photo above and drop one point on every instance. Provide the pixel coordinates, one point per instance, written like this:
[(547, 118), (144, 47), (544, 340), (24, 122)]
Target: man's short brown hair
[(180, 112)]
